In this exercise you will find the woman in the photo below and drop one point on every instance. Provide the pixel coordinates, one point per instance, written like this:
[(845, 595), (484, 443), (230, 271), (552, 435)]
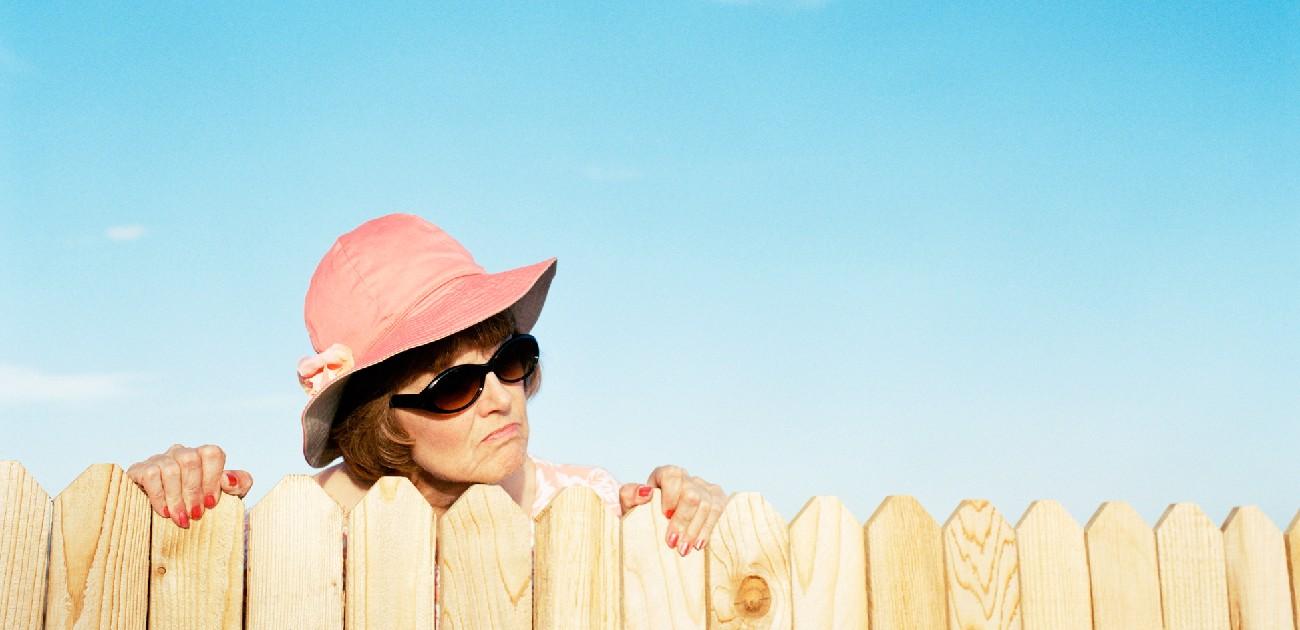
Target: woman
[(424, 368)]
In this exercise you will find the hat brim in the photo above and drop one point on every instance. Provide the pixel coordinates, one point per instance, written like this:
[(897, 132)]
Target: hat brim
[(457, 305)]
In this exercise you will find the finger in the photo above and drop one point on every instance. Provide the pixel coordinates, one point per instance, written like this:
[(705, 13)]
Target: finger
[(236, 482), (687, 505), (149, 479), (669, 481), (717, 503), (213, 462), (170, 472), (694, 534), (191, 481), (631, 495)]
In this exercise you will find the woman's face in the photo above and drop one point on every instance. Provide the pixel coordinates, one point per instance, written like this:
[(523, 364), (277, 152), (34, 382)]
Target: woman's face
[(481, 444)]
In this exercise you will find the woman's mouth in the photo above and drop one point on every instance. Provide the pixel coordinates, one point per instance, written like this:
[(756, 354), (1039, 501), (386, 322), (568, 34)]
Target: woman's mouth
[(508, 431)]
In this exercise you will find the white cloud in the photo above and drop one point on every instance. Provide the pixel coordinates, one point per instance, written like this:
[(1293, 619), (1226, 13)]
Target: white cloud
[(124, 232), (19, 384), (611, 174)]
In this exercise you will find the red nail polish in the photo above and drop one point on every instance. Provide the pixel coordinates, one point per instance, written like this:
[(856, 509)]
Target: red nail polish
[(644, 491), (672, 540), (167, 513), (230, 477), (209, 502), (182, 520), (699, 544), (670, 513), (196, 512)]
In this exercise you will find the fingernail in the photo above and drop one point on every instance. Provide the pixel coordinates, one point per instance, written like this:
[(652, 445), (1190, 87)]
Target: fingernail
[(643, 491), (182, 520), (209, 502), (685, 548), (670, 513), (196, 512), (672, 540), (167, 513), (232, 479), (699, 544)]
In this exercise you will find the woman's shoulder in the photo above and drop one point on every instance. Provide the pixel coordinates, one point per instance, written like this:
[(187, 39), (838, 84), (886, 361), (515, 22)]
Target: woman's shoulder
[(340, 486), (551, 478)]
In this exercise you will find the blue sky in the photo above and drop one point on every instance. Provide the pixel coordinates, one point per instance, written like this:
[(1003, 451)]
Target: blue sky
[(805, 247)]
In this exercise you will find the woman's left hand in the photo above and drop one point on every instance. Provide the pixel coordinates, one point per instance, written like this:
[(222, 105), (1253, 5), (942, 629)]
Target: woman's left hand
[(691, 504)]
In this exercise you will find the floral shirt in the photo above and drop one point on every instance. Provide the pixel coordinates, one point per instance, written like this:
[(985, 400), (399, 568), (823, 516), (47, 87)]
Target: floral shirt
[(552, 478)]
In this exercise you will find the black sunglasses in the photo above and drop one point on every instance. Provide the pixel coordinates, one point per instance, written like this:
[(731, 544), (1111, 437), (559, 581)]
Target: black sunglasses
[(457, 387)]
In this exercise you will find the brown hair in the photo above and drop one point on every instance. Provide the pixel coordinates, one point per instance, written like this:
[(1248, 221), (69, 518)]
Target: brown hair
[(366, 431)]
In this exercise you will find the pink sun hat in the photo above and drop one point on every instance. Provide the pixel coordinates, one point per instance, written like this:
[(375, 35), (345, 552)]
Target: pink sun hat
[(392, 284)]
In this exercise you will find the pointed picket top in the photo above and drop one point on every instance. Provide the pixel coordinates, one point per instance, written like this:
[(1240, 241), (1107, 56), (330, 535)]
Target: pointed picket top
[(661, 589), (748, 567), (1259, 595), (827, 566), (25, 512), (485, 562), (575, 559), (1193, 584), (1292, 537), (1122, 569), (196, 575), (982, 568), (1054, 591), (905, 574), (390, 561), (295, 557), (99, 553)]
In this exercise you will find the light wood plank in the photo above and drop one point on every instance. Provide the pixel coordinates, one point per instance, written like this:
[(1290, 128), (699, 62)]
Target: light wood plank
[(196, 577), (1193, 585), (575, 563), (905, 573), (1292, 537), (1054, 591), (1122, 569), (99, 553), (25, 512), (485, 563), (661, 589), (982, 568), (828, 567), (295, 558), (1259, 596), (391, 559), (748, 567)]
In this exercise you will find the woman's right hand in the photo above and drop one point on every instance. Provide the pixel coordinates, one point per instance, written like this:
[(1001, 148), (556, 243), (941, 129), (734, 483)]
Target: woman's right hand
[(182, 482)]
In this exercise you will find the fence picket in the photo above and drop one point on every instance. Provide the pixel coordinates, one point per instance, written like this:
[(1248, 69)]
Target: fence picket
[(1193, 586), (25, 512), (1259, 597), (1122, 569), (748, 567), (827, 567), (661, 589), (485, 564), (196, 577), (982, 568), (575, 558), (905, 579), (1054, 592), (99, 553), (391, 543), (1293, 564), (295, 558)]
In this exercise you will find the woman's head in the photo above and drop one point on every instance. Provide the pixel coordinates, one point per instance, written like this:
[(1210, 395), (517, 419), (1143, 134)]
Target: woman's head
[(377, 439)]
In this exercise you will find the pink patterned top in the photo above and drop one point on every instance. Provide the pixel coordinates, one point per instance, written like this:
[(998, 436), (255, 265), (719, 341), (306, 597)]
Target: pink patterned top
[(552, 478)]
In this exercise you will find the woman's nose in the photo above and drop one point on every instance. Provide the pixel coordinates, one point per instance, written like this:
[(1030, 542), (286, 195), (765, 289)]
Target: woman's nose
[(495, 397)]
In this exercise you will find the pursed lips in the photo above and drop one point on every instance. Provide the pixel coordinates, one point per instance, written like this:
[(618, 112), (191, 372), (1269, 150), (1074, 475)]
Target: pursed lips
[(513, 426)]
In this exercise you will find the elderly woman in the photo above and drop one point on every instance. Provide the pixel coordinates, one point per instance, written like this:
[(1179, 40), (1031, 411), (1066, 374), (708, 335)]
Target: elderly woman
[(424, 370)]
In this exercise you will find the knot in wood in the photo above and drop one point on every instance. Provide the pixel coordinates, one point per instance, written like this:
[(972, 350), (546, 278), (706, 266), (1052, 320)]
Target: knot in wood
[(753, 598)]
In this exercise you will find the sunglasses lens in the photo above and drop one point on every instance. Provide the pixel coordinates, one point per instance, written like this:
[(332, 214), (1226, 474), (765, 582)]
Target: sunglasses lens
[(456, 388), (516, 360)]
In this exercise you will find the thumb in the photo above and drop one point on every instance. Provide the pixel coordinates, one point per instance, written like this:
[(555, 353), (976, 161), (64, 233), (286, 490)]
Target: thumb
[(236, 482), (631, 495)]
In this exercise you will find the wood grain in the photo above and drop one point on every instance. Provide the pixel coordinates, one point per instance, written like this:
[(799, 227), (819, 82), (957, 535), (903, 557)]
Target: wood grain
[(196, 575), (25, 512), (99, 553), (828, 567), (982, 568), (1054, 591), (1193, 585), (485, 563), (1292, 537), (905, 573), (392, 541), (1122, 569), (661, 589), (295, 558), (748, 567), (576, 570), (1259, 593)]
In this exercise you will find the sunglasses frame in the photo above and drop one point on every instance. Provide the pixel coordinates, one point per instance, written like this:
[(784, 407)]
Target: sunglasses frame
[(424, 402)]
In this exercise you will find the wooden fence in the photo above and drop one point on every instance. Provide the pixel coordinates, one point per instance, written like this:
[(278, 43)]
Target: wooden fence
[(96, 557)]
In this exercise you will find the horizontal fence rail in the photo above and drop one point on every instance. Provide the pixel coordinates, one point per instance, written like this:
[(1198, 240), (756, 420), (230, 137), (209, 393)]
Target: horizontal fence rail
[(96, 557)]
